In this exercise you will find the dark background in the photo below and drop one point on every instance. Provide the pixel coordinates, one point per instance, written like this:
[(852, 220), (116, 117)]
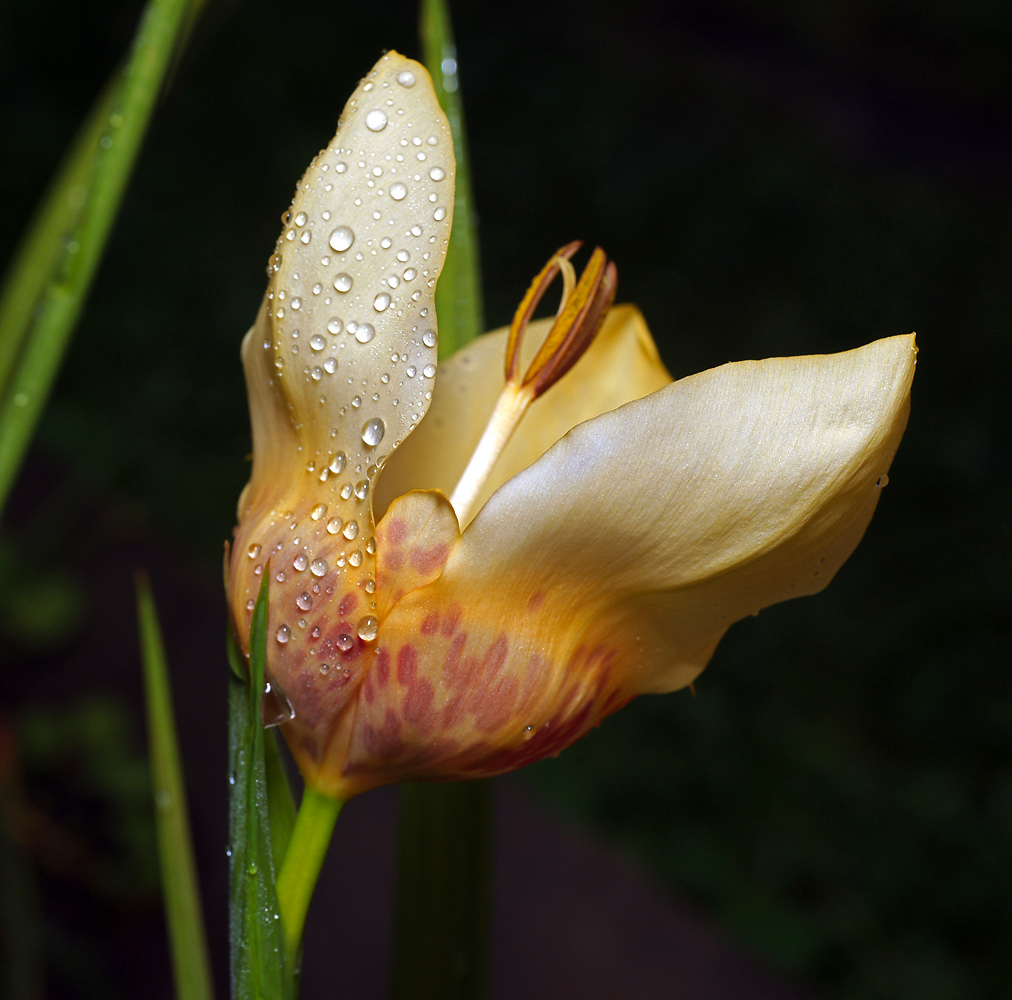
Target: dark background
[(771, 178)]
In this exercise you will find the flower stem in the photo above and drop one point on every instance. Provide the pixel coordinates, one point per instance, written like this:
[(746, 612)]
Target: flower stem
[(311, 834)]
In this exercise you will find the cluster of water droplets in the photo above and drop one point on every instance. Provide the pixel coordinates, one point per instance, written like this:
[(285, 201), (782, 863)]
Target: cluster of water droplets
[(353, 338)]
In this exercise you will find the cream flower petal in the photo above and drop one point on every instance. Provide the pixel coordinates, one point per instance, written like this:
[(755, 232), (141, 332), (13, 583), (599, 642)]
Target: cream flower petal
[(621, 365), (612, 566), (340, 366)]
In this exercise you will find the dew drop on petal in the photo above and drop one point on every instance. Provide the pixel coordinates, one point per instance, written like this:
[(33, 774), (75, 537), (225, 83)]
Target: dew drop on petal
[(343, 282), (375, 121), (344, 642), (341, 238), (334, 525), (253, 551), (381, 302), (318, 567), (318, 511), (373, 431), (398, 191), (364, 332), (337, 463), (304, 601), (300, 562), (351, 530), (283, 634), (368, 628), (317, 342), (406, 78), (335, 325), (429, 371), (439, 214), (437, 173), (429, 338)]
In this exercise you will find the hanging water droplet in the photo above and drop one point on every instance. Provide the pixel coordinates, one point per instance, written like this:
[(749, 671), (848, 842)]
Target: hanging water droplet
[(882, 480), (344, 642), (364, 332), (429, 338), (376, 121), (283, 634), (300, 562), (398, 191), (317, 342), (318, 567), (341, 239), (318, 511), (406, 78), (368, 628), (343, 282), (381, 302), (373, 431), (351, 530), (275, 708), (304, 601)]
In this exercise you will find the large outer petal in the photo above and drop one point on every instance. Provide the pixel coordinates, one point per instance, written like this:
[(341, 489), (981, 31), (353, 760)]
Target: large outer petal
[(612, 566), (621, 365), (339, 367)]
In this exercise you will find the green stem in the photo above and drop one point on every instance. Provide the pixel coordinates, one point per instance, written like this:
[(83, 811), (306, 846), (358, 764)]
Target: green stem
[(301, 868)]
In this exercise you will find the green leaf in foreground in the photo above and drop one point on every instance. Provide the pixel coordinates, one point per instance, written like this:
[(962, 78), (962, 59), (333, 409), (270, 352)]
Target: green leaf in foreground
[(187, 939), (259, 960), (53, 268), (458, 294)]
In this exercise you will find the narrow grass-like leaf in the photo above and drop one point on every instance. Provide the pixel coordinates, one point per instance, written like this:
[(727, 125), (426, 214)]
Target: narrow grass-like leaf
[(458, 294), (444, 867), (54, 266), (187, 939), (260, 968)]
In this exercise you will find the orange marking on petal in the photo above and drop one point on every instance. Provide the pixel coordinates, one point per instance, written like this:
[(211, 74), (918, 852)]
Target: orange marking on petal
[(430, 624), (396, 531), (536, 600)]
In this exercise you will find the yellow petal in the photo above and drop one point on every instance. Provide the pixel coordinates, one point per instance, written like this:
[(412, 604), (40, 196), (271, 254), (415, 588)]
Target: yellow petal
[(613, 565), (340, 366), (621, 365)]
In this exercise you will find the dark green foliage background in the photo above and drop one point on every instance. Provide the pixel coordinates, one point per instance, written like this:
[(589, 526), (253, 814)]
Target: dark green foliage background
[(771, 178)]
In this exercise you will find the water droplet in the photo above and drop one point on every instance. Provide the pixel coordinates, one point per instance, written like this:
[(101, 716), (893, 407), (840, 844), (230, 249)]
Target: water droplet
[(334, 525), (416, 230), (300, 219), (318, 567), (317, 342), (403, 256), (410, 274), (381, 302), (300, 562), (529, 732), (439, 214), (275, 707), (362, 489), (283, 634), (368, 628), (351, 530), (373, 431), (346, 491), (318, 511), (370, 546), (343, 282), (364, 332), (335, 325), (376, 121), (344, 642), (341, 239), (330, 366), (882, 480), (337, 463), (411, 371), (406, 78), (398, 191), (280, 576), (437, 173), (304, 601), (429, 338), (316, 373), (253, 551), (429, 371)]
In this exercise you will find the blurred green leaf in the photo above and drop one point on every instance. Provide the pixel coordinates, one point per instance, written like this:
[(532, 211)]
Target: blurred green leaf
[(53, 268), (259, 960), (458, 294), (187, 938)]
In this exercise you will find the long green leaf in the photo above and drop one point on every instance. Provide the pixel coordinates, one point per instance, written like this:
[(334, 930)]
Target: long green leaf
[(52, 271), (259, 962), (444, 868), (458, 294), (187, 939)]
